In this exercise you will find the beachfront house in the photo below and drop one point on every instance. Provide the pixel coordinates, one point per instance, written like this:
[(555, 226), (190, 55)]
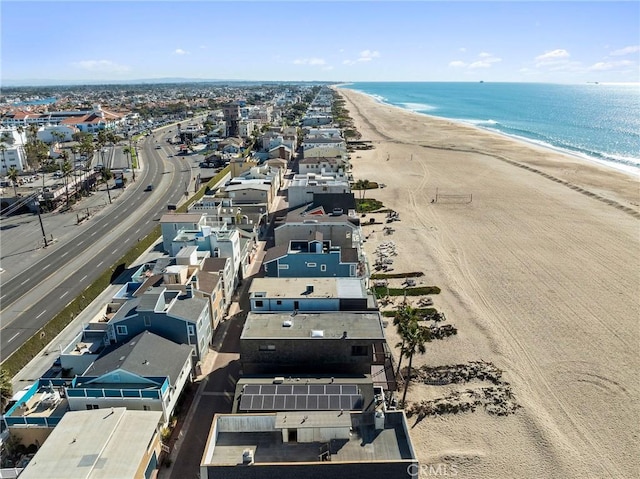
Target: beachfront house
[(329, 342), (303, 186), (311, 294), (313, 258), (309, 444), (340, 227)]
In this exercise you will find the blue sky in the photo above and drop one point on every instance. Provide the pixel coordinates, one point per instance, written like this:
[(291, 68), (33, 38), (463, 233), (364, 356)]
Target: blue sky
[(542, 41)]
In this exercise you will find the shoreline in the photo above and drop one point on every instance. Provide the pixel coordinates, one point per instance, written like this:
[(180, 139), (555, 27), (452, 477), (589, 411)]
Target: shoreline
[(631, 170), (519, 268)]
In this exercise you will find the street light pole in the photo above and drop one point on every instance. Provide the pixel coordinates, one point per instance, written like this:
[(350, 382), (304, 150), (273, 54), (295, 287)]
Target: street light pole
[(44, 236)]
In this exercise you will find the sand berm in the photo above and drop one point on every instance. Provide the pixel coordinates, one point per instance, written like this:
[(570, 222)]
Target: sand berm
[(540, 275)]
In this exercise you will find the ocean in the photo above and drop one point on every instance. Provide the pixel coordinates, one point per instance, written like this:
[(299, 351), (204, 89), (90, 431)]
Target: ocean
[(599, 122)]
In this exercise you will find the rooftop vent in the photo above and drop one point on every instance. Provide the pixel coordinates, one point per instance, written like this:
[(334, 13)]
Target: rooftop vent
[(309, 289), (247, 456), (287, 323), (317, 333)]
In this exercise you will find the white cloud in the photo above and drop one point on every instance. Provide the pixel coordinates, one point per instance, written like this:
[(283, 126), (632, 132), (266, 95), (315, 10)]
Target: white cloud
[(180, 51), (626, 50), (368, 55), (327, 68), (485, 61), (309, 61), (103, 66), (462, 49), (553, 56), (365, 56), (602, 66)]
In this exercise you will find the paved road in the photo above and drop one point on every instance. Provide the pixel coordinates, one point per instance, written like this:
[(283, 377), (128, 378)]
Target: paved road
[(33, 296)]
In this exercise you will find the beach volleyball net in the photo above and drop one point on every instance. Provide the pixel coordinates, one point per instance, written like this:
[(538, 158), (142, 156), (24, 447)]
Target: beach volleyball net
[(445, 198)]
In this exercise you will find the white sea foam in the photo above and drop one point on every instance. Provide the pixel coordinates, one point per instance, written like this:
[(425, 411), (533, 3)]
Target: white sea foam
[(418, 106)]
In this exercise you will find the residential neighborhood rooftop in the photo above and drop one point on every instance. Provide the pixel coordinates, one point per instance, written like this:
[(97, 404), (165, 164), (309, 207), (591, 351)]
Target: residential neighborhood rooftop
[(92, 445), (327, 325), (296, 288)]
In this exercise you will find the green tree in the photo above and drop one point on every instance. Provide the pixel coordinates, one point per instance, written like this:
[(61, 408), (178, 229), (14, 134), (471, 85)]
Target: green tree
[(13, 175), (414, 338), (404, 317), (66, 168), (3, 148), (6, 389)]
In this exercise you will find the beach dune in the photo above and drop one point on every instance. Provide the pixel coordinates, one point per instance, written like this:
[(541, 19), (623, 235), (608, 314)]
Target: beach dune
[(536, 253)]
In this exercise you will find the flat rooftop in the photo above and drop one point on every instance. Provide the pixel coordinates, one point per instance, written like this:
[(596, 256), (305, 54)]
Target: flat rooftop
[(262, 435), (96, 444), (329, 325), (298, 288)]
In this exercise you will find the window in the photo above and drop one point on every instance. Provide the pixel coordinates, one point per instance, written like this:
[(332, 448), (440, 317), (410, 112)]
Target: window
[(122, 330), (323, 267), (146, 408), (359, 350), (279, 302), (311, 265), (283, 266), (92, 406), (267, 347), (191, 329), (147, 321), (259, 304)]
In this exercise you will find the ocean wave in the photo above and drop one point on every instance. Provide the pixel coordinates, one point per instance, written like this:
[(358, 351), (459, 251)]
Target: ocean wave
[(619, 162), (477, 122), (418, 106)]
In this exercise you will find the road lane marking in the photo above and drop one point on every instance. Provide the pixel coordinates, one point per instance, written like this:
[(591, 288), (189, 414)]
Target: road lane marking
[(45, 267), (94, 233), (114, 251), (63, 255), (14, 336), (83, 278), (65, 293), (25, 281), (41, 314), (80, 243), (138, 230), (100, 263)]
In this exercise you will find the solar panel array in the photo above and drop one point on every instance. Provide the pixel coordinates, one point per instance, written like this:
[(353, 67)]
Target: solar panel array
[(300, 397)]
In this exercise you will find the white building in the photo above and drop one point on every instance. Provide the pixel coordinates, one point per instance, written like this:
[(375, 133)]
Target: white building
[(13, 154), (302, 187)]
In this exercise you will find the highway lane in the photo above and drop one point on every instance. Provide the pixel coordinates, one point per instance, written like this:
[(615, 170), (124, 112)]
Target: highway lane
[(33, 297)]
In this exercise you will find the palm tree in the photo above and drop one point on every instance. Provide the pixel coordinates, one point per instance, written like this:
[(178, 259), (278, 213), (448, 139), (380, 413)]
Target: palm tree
[(66, 168), (3, 148), (405, 316), (415, 338), (13, 174), (6, 389)]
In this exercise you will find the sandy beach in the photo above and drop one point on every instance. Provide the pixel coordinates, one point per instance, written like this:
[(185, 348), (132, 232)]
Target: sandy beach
[(540, 275)]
